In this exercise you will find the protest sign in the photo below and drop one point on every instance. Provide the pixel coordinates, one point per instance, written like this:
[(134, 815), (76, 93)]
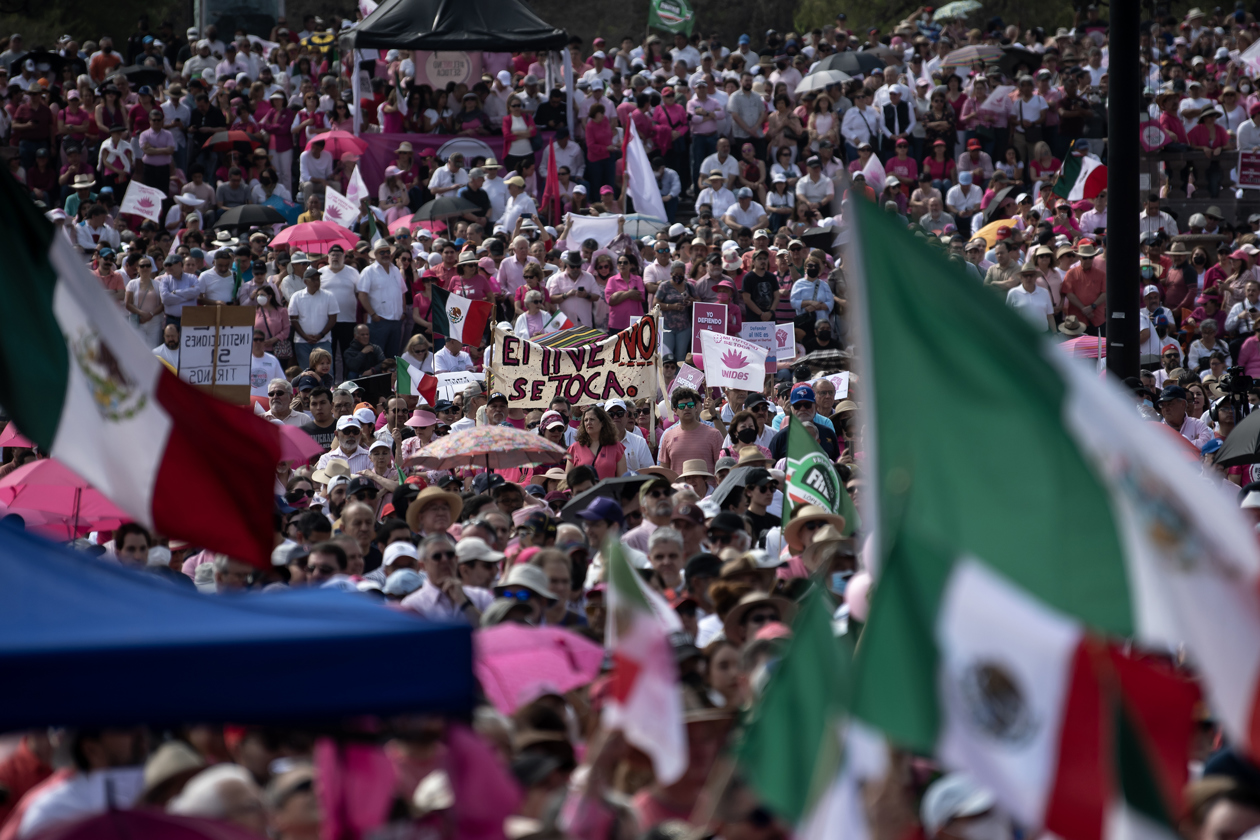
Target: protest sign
[(450, 384), (731, 362), (1249, 170), (688, 377), (531, 375), (762, 333), (841, 381), (705, 317), (785, 342), (214, 350), (340, 210), (143, 201)]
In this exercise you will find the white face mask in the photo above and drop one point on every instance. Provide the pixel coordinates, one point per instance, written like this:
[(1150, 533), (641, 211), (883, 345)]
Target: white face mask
[(1245, 88), (992, 826), (262, 300)]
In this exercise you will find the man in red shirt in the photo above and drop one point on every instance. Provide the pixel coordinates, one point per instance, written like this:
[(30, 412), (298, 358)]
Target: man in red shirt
[(33, 125), (1085, 288)]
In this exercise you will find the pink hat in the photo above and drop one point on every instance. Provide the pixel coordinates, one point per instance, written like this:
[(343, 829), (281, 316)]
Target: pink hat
[(1240, 254), (487, 264), (392, 172), (773, 630), (605, 189), (552, 418), (421, 418)]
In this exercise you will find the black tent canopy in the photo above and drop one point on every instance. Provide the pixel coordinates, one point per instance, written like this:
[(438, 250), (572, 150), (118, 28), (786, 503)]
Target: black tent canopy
[(457, 25)]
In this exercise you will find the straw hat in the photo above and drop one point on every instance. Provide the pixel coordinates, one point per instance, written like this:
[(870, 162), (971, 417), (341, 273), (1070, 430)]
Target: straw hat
[(807, 514), (1072, 326), (787, 609), (432, 494)]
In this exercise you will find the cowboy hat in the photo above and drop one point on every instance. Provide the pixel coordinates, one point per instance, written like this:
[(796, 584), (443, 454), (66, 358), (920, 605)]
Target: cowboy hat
[(807, 514), (824, 538), (750, 455), (432, 494), (695, 466), (1086, 251), (1072, 326), (555, 473), (787, 610), (664, 472), (1179, 247), (335, 467)]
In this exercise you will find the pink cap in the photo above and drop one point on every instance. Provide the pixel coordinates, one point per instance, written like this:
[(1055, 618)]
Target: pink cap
[(421, 418), (392, 172)]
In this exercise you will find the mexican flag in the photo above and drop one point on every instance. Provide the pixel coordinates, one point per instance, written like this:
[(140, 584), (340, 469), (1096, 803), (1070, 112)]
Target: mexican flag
[(459, 317), (412, 381), (645, 701), (801, 754), (1071, 520), (1082, 177), (811, 479), (556, 323), (79, 382)]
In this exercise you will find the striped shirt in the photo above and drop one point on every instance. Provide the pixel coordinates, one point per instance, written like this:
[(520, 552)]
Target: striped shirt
[(679, 445)]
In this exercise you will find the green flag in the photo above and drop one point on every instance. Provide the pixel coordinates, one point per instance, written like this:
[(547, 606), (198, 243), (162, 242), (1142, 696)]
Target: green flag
[(812, 480), (791, 751), (671, 15)]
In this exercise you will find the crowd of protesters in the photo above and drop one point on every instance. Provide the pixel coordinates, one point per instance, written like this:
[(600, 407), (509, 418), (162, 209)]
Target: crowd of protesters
[(751, 161)]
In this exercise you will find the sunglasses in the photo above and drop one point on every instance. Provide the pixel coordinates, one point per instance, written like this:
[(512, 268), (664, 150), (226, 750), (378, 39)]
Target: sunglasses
[(298, 493), (658, 493), (757, 619), (688, 404), (521, 595), (321, 569), (721, 537), (531, 425), (442, 555), (795, 248), (618, 413), (769, 486), (350, 432), (641, 411)]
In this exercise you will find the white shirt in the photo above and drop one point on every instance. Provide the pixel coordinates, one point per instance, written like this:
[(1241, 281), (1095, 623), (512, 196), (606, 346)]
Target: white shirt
[(168, 355), (357, 462), (262, 371), (570, 156), (719, 200), (1189, 104), (1034, 305), (966, 204), (342, 284), (862, 124), (1154, 224), (315, 167), (745, 218), (384, 288), (638, 455), (815, 192), (688, 54), (497, 190), (444, 361), (730, 168), (82, 795), (217, 287), (1030, 110), (517, 206), (312, 311), (89, 238), (1248, 135), (445, 178)]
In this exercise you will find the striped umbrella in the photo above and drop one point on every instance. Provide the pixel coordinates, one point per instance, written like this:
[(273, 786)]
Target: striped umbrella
[(964, 56), (575, 337), (492, 447)]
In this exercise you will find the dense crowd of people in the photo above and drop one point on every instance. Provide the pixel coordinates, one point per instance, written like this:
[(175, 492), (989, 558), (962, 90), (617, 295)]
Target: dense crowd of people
[(753, 146)]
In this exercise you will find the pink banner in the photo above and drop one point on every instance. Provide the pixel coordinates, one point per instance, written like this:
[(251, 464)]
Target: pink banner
[(705, 317), (380, 151)]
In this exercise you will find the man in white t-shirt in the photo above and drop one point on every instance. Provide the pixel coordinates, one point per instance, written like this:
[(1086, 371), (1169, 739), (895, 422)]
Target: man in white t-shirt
[(1193, 105), (716, 195), (263, 367), (342, 281), (452, 358), (722, 159), (450, 177), (1028, 113), (1031, 300), (745, 212), (313, 312)]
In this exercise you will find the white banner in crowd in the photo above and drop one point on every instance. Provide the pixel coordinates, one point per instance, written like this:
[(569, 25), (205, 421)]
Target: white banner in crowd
[(356, 191), (732, 362), (143, 201), (340, 210), (641, 179), (785, 342), (603, 229)]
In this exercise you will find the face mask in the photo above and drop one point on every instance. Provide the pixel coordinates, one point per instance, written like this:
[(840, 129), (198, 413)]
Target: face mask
[(747, 435), (840, 582), (1199, 260), (824, 335), (812, 270), (262, 300), (1148, 403), (991, 827), (1245, 88)]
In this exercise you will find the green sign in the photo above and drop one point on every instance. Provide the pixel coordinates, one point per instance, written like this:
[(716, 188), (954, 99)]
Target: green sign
[(671, 15), (812, 480)]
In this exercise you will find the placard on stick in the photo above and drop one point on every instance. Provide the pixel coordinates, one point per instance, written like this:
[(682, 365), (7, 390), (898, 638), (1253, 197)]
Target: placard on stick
[(214, 353)]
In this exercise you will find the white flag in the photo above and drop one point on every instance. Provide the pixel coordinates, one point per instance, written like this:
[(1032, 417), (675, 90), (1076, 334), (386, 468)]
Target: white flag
[(732, 362), (641, 180), (340, 210), (357, 190), (875, 174), (143, 201), (174, 244)]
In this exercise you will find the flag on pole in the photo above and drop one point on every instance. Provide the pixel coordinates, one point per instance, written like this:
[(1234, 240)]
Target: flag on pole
[(1082, 176), (356, 190), (645, 701), (551, 190), (555, 323), (410, 380), (79, 382), (459, 317), (641, 180), (143, 201), (339, 209), (1152, 553), (811, 479), (671, 15)]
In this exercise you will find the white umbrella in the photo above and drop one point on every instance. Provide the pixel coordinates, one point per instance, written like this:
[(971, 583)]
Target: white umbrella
[(821, 79)]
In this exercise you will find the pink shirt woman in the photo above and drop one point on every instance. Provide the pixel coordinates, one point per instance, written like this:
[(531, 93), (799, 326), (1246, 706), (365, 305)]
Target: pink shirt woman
[(621, 306)]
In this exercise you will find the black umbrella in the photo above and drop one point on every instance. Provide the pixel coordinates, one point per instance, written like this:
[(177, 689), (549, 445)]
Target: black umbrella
[(991, 212), (250, 215), (826, 359), (822, 238), (851, 62), (610, 488), (736, 478), (138, 75), (45, 60), (1243, 444), (441, 208), (1012, 57)]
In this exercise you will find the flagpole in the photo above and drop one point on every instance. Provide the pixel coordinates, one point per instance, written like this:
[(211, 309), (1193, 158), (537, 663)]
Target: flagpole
[(1123, 228)]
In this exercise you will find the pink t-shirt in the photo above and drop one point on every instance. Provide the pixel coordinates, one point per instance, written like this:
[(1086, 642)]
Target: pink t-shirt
[(619, 314), (604, 464)]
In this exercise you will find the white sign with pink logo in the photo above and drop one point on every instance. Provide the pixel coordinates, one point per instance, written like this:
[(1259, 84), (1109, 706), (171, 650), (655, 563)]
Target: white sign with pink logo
[(732, 362)]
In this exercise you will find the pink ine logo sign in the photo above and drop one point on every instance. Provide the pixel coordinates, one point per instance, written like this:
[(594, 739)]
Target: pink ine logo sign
[(781, 337), (333, 211), (734, 360), (146, 203)]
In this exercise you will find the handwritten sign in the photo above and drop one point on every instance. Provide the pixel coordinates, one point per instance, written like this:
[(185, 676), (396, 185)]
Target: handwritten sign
[(450, 384), (439, 68), (531, 375), (215, 350), (705, 317)]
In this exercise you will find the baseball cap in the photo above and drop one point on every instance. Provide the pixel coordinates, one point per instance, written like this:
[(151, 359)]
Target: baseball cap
[(497, 396), (802, 393), (348, 421), (399, 549), (950, 797), (604, 509), (307, 383)]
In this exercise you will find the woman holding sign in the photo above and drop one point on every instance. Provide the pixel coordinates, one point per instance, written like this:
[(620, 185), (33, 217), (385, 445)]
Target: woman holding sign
[(674, 299), (597, 446)]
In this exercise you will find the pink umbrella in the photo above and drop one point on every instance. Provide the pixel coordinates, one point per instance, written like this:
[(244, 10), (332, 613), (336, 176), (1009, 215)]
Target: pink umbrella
[(316, 237), (48, 485), (297, 445), (143, 825), (338, 143), (516, 664), (1086, 347), (10, 437)]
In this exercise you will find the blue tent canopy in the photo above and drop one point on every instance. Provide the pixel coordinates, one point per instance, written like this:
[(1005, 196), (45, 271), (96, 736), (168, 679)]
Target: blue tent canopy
[(90, 643)]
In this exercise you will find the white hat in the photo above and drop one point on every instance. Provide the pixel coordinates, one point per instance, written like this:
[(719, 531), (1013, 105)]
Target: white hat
[(399, 549), (950, 797), (475, 548), (578, 188), (504, 77), (381, 443), (1150, 290), (598, 54), (348, 421), (677, 229), (366, 416), (616, 402)]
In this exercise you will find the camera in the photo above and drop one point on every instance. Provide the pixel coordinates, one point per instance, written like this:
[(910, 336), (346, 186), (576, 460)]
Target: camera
[(1234, 381)]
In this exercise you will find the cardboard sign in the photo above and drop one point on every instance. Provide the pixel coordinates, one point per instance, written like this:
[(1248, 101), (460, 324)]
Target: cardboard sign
[(450, 384), (731, 362), (762, 333), (841, 381), (705, 317), (622, 365), (785, 342), (215, 346), (1249, 170)]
